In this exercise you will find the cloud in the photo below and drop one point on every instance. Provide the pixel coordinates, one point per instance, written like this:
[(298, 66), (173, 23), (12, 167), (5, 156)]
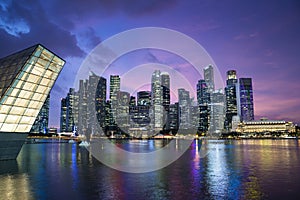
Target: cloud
[(20, 19), (14, 27), (10, 21), (137, 7), (87, 39), (70, 14), (5, 4)]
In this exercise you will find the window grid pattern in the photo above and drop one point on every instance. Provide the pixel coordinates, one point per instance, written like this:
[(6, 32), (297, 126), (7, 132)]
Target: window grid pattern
[(24, 97)]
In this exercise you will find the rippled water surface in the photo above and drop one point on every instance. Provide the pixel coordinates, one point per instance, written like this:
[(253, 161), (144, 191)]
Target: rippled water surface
[(241, 169)]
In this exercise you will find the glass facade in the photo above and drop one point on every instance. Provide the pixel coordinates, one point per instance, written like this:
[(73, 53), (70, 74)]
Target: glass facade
[(27, 78), (231, 99), (245, 99)]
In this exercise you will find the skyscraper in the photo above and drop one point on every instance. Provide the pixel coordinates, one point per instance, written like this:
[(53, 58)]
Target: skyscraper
[(194, 117), (76, 111), (82, 106), (70, 115), (144, 98), (26, 80), (91, 105), (209, 78), (122, 114), (231, 100), (173, 124), (184, 108), (69, 112), (40, 125), (245, 99), (114, 88), (217, 109), (101, 101), (203, 99), (132, 101), (93, 124), (63, 115), (157, 101), (110, 124), (165, 83)]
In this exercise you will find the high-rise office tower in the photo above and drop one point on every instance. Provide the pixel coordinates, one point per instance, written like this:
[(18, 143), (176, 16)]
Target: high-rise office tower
[(82, 106), (122, 114), (231, 100), (217, 114), (26, 80), (203, 95), (157, 101), (194, 117), (114, 88), (69, 112), (70, 115), (165, 83), (245, 99), (140, 114), (173, 122), (203, 99), (132, 101), (91, 105), (100, 99), (132, 109), (76, 111), (93, 124), (209, 78), (144, 98), (63, 115), (184, 108), (40, 125), (110, 123)]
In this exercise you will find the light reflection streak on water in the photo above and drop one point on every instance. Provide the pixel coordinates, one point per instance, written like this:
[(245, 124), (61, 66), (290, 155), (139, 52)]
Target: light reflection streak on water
[(217, 169), (223, 178), (197, 154), (15, 187), (74, 167)]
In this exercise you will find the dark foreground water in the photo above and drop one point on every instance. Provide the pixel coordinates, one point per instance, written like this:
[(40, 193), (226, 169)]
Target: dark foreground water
[(244, 169)]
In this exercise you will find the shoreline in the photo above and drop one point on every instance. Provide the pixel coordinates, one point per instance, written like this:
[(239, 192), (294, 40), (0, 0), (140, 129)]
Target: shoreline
[(65, 139)]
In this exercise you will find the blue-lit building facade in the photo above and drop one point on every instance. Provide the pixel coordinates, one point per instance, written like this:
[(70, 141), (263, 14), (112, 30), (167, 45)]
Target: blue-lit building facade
[(245, 99)]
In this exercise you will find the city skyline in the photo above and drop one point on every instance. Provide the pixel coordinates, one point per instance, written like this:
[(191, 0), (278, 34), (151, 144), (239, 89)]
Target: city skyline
[(213, 111), (256, 39)]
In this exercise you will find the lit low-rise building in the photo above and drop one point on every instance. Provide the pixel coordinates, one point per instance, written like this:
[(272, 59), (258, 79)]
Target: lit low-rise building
[(263, 126)]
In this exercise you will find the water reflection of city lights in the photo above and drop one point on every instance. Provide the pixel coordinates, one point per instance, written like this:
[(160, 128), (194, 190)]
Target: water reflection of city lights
[(15, 187)]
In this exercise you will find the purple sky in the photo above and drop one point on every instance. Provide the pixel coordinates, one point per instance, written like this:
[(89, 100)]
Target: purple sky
[(260, 39)]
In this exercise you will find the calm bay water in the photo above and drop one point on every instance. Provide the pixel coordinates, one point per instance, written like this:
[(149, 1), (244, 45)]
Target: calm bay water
[(237, 169)]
